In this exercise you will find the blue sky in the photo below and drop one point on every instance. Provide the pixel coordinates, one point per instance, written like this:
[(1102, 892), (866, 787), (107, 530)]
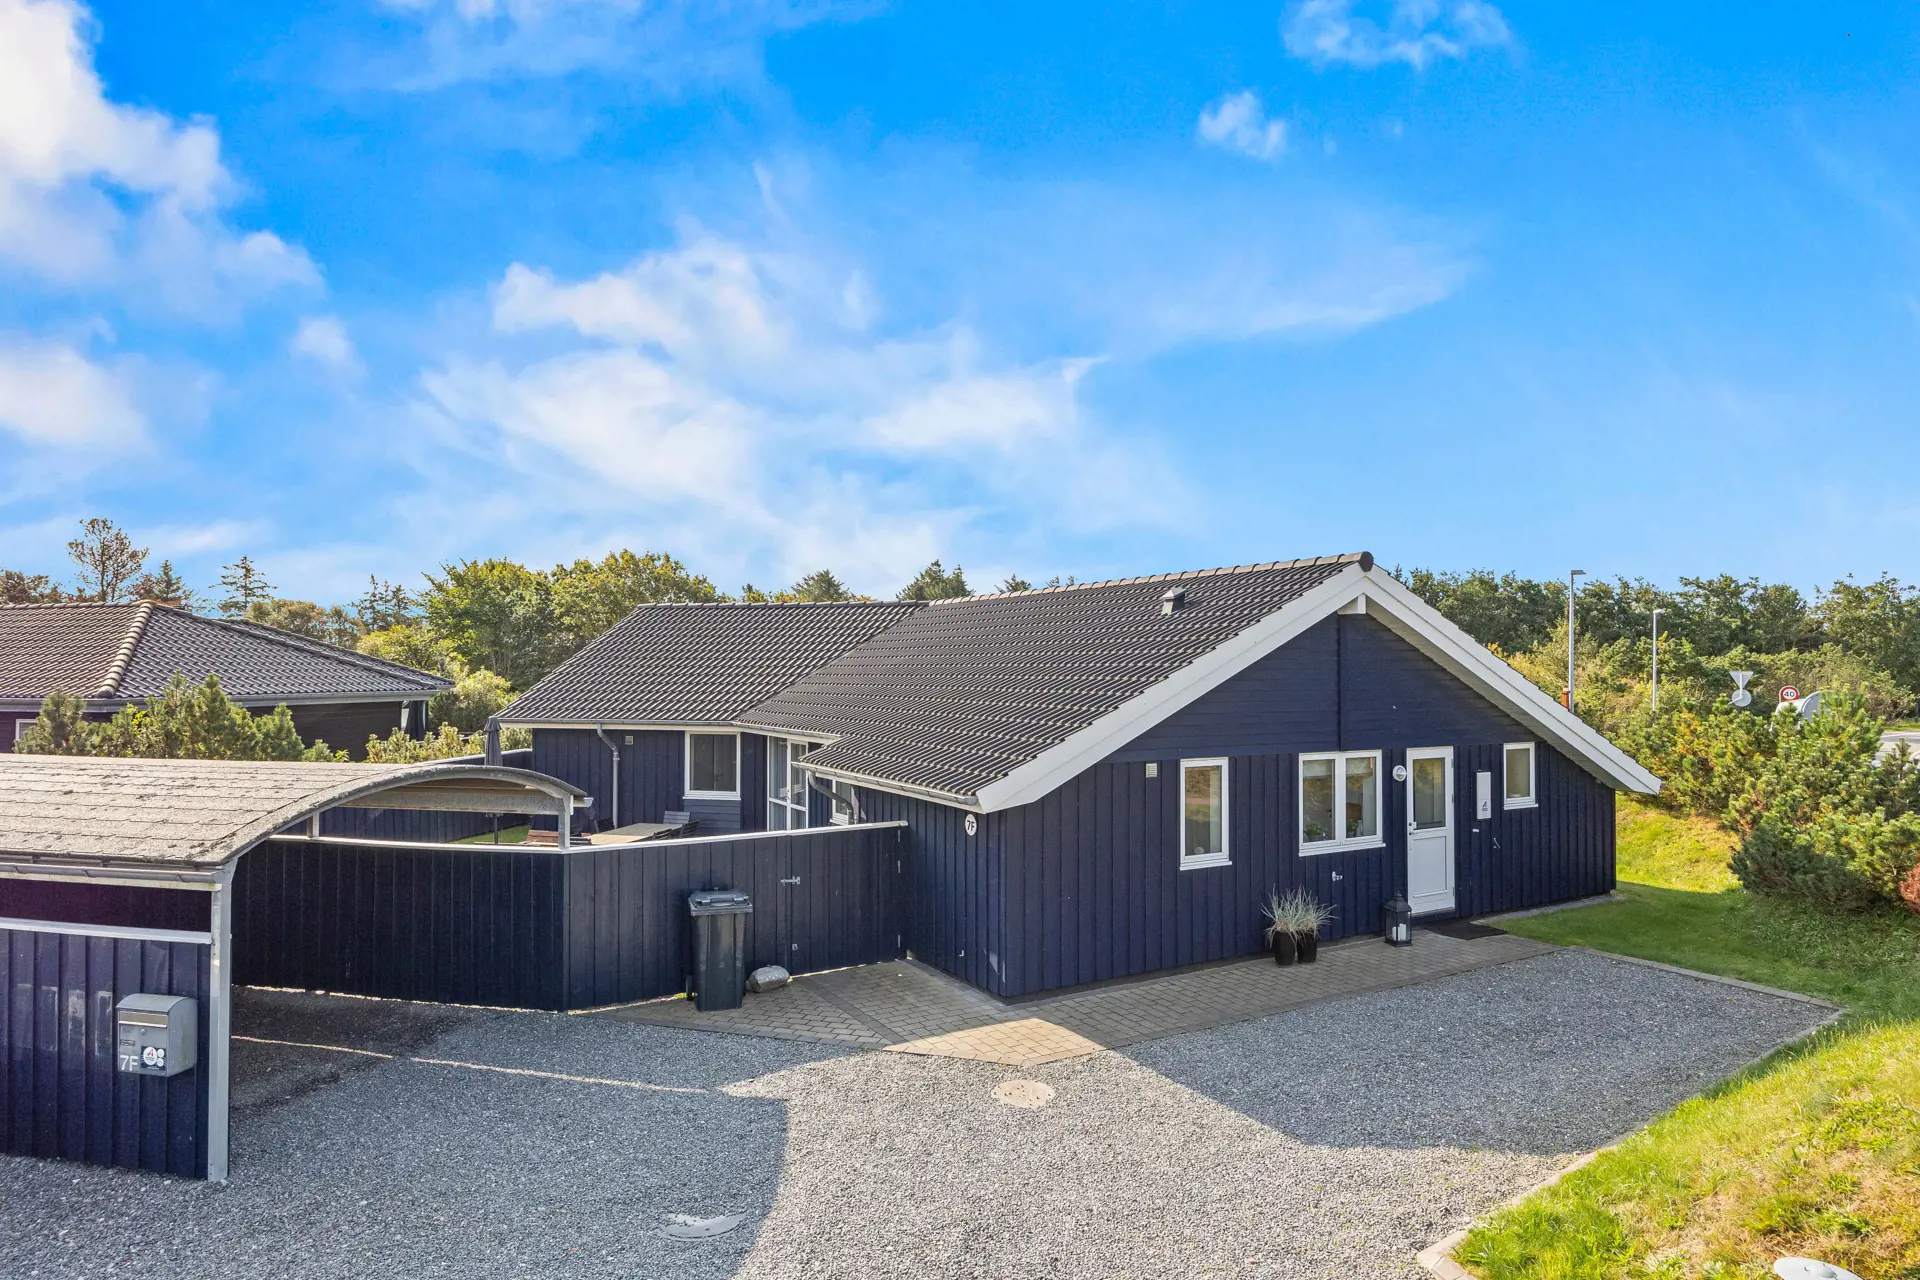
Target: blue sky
[(362, 287)]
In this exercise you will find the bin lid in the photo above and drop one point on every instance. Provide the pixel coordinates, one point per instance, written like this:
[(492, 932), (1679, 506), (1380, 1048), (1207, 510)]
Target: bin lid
[(719, 902), (146, 1003)]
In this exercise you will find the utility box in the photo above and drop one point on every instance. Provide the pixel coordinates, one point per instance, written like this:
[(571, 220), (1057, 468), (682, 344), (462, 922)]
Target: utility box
[(157, 1035), (719, 947)]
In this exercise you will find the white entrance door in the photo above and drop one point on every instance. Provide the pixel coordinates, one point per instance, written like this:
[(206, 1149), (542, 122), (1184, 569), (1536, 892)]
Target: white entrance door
[(1430, 829)]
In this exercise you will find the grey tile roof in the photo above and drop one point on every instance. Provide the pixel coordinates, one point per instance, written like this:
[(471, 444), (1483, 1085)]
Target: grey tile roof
[(122, 651), (699, 663), (968, 690), (188, 813)]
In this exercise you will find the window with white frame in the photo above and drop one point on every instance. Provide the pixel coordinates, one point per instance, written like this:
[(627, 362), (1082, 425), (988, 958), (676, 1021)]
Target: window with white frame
[(1519, 771), (1203, 813), (1339, 801), (713, 766), (787, 784), (20, 728), (842, 801)]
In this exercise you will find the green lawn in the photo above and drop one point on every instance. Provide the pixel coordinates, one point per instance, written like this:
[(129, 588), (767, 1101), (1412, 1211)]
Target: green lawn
[(1815, 1151), (508, 835)]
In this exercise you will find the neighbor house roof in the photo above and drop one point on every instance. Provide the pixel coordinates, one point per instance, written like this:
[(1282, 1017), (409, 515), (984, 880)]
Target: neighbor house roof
[(993, 701), (189, 814), (698, 664), (122, 652)]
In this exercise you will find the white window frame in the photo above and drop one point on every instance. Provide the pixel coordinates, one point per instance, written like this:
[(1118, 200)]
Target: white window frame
[(1532, 800), (1340, 843), (20, 727), (791, 747), (842, 794), (686, 778), (1225, 856)]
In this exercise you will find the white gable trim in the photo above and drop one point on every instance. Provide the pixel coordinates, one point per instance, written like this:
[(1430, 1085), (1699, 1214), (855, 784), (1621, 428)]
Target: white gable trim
[(1353, 590)]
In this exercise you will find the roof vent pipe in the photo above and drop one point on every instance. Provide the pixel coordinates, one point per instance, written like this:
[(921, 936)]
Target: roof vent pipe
[(1174, 601)]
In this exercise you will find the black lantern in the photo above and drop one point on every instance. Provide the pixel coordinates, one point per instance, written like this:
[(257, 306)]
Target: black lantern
[(1399, 922)]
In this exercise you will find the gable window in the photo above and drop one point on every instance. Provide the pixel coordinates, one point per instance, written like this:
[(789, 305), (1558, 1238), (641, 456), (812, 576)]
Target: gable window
[(1203, 813), (1519, 770), (713, 766), (1340, 801)]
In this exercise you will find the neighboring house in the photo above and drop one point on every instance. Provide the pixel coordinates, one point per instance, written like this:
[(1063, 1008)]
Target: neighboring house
[(116, 654), (1107, 779)]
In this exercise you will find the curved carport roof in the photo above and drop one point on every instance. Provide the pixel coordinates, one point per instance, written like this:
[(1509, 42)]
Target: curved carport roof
[(193, 816)]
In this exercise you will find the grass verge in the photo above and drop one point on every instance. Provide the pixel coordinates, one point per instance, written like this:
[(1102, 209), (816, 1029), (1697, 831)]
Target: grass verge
[(1815, 1151)]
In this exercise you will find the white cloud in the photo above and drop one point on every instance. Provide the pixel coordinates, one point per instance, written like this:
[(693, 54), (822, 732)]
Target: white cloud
[(733, 399), (1239, 122), (324, 340), (1416, 32), (53, 395), (669, 43), (99, 194)]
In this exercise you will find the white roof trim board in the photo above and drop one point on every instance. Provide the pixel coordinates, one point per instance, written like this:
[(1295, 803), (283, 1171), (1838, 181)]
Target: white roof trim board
[(1354, 589)]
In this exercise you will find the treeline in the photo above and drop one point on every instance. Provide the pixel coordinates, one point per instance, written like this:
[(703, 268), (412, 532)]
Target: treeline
[(494, 626), (1860, 637), (1819, 812)]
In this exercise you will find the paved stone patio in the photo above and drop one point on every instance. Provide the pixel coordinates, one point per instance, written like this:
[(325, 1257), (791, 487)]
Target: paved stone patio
[(907, 1007)]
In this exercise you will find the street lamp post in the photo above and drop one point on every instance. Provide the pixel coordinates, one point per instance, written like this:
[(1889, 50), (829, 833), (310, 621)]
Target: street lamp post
[(1571, 575), (1656, 660)]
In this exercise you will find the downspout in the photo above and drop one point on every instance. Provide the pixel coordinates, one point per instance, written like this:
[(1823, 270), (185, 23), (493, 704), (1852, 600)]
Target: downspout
[(601, 729)]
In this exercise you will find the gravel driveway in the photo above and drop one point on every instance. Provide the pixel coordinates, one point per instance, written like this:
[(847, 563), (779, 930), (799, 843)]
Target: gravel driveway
[(1329, 1141)]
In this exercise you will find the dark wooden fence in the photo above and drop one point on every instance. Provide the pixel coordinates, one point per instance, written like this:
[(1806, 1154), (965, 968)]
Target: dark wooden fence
[(61, 1094), (551, 929)]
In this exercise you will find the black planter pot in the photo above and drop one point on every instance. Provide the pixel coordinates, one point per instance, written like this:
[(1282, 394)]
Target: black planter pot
[(1308, 945), (1286, 948)]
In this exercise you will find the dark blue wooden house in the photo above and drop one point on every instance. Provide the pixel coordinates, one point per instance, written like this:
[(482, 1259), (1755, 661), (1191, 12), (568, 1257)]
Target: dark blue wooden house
[(1106, 779)]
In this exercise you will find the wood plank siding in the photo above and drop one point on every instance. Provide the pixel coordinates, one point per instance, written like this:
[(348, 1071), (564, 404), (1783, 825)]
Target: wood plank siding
[(1085, 885), (653, 777), (61, 1092)]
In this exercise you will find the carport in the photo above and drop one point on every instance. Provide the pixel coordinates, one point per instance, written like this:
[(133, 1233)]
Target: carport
[(116, 879)]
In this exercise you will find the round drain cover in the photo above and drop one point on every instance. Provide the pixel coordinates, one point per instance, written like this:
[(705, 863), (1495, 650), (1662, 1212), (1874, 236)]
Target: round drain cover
[(1023, 1093), (680, 1226)]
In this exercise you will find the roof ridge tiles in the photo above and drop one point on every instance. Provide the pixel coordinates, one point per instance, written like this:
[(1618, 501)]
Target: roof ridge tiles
[(117, 669), (1356, 557)]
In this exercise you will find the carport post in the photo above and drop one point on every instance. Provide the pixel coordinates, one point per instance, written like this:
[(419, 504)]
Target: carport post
[(219, 1022)]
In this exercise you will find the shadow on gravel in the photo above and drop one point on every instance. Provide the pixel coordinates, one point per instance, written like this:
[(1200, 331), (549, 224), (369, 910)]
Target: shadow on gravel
[(1550, 1056), (531, 1144)]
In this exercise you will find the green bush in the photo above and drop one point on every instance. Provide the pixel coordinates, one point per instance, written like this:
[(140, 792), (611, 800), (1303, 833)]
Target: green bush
[(186, 722), (1824, 818)]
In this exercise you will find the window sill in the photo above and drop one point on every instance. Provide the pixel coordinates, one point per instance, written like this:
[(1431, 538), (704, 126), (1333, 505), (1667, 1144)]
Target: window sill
[(1325, 847), (1521, 804), (710, 795), (1201, 864)]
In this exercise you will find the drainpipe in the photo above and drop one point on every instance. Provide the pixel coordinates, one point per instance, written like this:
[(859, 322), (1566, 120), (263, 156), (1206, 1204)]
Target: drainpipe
[(493, 740), (601, 729)]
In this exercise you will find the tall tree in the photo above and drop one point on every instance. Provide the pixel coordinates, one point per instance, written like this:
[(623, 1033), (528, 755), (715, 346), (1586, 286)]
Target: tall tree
[(496, 614), (108, 561), (820, 586), (329, 624), (164, 586), (385, 604), (244, 584), (935, 583), (28, 588), (590, 596)]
